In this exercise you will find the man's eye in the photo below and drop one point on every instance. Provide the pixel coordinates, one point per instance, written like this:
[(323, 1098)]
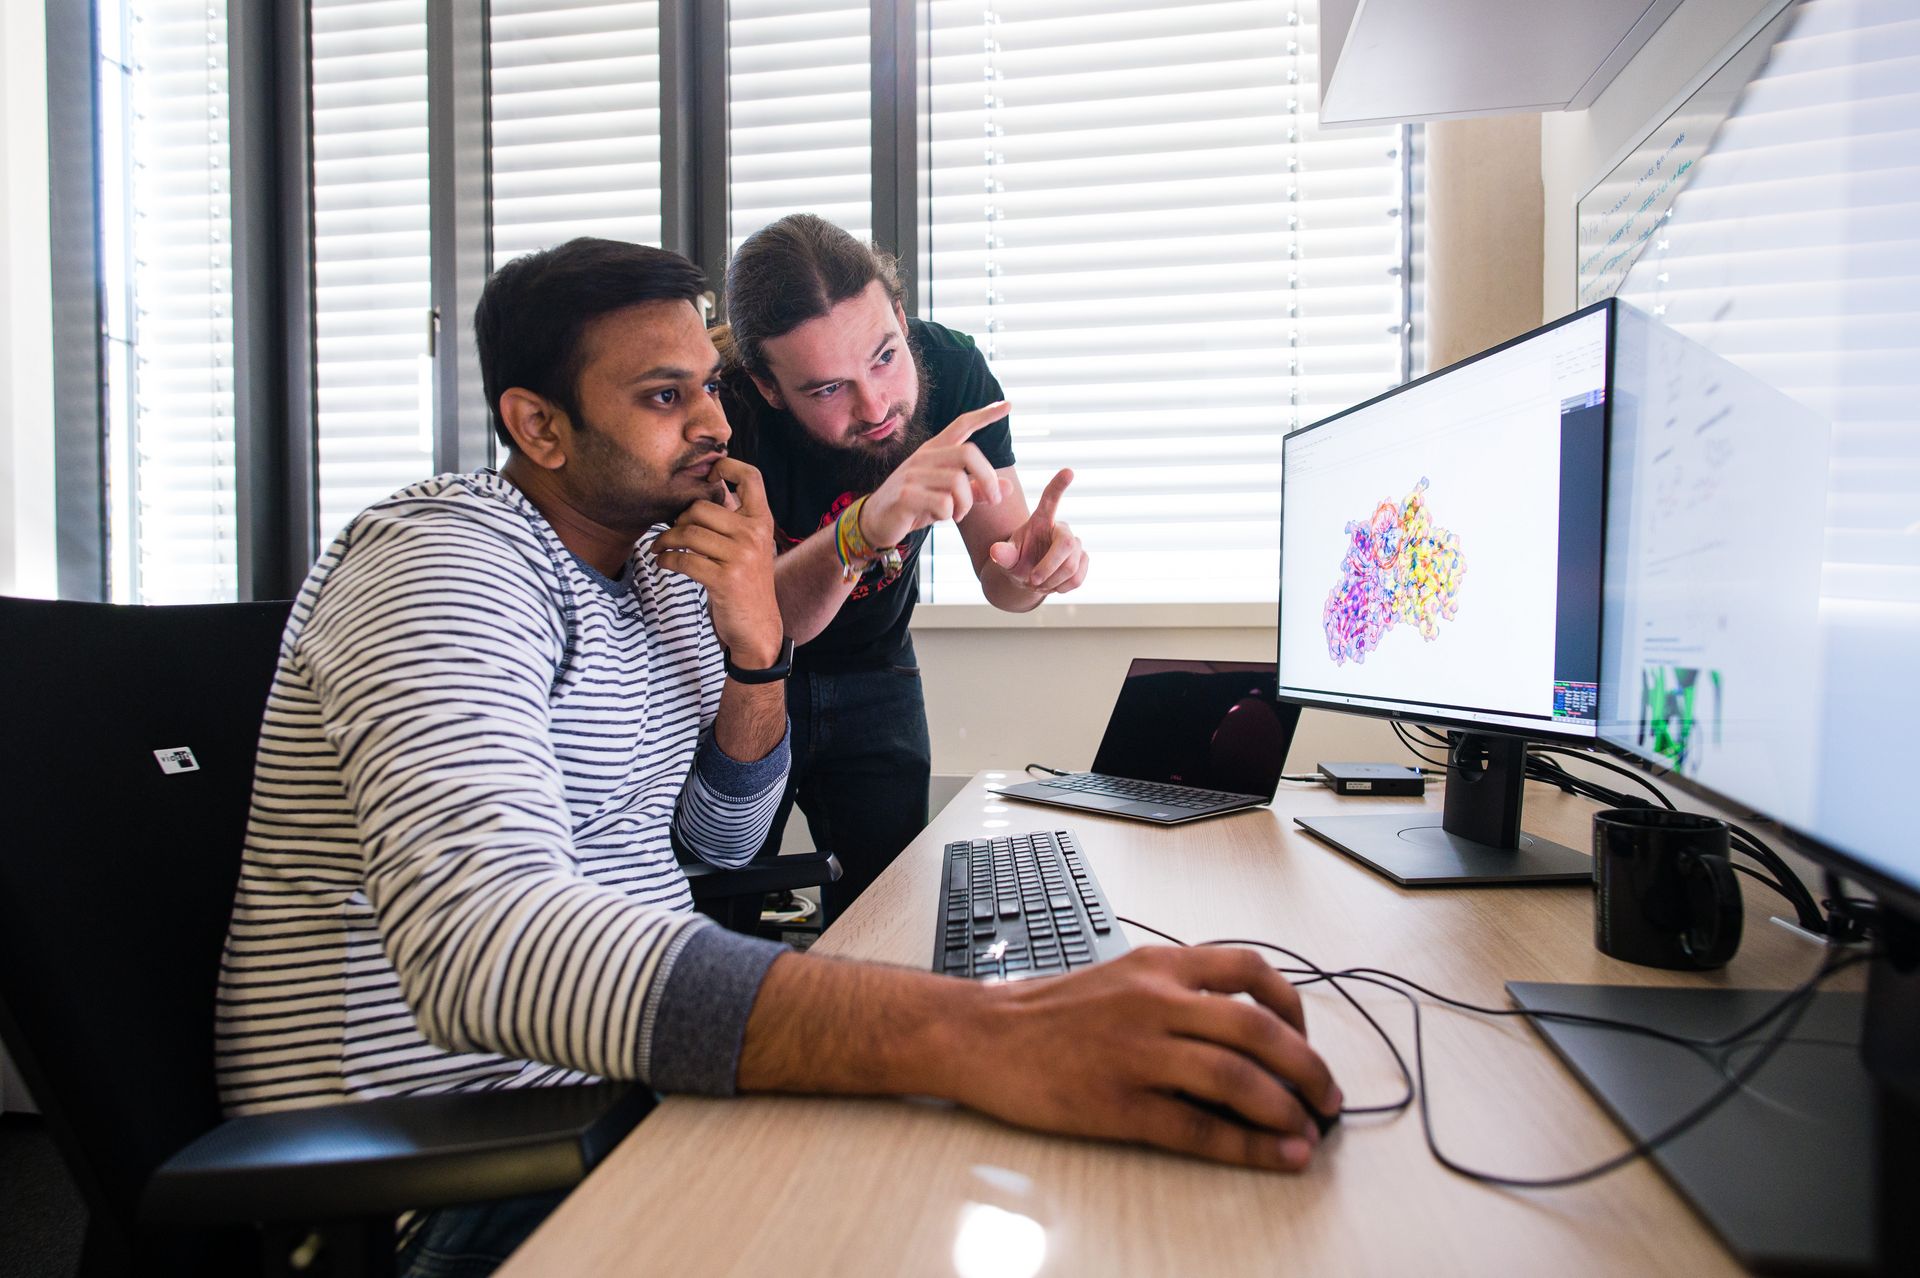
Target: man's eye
[(828, 391), (713, 387), (886, 356), (671, 395)]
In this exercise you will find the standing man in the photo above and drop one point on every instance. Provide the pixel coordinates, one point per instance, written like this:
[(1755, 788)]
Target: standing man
[(870, 428)]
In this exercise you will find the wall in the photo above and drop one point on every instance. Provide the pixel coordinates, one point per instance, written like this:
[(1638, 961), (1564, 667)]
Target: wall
[(1576, 147), (1483, 234), (26, 321), (1004, 696)]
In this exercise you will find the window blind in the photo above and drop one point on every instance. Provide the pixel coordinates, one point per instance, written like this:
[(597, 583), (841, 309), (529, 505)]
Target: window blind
[(799, 130), (1168, 264), (576, 122), (372, 295), (1793, 253), (165, 241)]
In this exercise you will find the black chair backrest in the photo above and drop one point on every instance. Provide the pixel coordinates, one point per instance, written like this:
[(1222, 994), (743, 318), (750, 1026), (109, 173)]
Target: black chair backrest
[(117, 874)]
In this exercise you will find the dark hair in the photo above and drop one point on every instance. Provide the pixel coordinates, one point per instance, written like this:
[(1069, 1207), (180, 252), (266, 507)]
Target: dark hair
[(794, 270), (535, 310)]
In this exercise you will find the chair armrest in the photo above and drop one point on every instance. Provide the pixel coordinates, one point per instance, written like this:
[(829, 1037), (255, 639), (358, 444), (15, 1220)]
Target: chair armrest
[(390, 1155), (765, 874)]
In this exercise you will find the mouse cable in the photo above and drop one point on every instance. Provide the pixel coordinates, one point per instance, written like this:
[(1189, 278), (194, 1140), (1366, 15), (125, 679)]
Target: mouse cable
[(1787, 1010), (1041, 767), (1406, 1075), (1393, 982)]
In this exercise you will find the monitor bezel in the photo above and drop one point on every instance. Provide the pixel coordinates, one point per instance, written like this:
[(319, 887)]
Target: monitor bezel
[(1432, 712)]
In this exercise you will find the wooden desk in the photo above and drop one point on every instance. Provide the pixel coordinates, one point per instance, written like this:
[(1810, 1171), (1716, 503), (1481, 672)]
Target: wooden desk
[(818, 1186)]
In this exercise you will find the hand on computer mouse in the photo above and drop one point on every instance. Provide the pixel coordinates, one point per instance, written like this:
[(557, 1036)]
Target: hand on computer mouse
[(1323, 1122), (1121, 1050)]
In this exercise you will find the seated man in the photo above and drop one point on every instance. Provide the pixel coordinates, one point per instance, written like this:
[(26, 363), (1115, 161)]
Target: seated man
[(499, 698)]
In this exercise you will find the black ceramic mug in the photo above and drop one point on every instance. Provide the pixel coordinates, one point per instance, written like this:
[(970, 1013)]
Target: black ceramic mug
[(1664, 891)]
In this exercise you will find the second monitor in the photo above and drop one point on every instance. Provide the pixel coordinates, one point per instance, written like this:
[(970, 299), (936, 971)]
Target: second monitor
[(1440, 563)]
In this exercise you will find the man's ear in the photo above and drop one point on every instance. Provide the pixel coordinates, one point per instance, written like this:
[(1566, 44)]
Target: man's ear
[(534, 423), (769, 391)]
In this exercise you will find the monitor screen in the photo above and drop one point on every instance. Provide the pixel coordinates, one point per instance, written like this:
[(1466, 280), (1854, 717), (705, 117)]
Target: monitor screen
[(1440, 545), (1737, 652), (1210, 724)]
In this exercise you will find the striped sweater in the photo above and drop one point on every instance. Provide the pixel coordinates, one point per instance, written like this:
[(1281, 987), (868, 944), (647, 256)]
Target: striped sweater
[(458, 873)]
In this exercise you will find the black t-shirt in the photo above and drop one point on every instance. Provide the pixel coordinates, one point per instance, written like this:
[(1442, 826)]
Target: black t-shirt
[(806, 494)]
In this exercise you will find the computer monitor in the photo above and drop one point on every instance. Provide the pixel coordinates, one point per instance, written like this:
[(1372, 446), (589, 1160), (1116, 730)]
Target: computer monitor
[(1440, 562), (1760, 628), (1759, 634)]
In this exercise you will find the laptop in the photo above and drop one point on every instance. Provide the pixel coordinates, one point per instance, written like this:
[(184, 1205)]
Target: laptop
[(1187, 739)]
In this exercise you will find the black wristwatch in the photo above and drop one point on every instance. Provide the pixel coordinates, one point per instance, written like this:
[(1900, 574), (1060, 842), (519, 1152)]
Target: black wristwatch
[(782, 666)]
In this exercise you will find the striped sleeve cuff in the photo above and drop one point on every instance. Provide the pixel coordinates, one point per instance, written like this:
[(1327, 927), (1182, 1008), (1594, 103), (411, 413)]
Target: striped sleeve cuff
[(728, 806), (700, 1020), (728, 776)]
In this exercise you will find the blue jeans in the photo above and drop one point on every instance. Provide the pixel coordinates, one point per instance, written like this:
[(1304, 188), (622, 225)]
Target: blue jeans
[(471, 1242), (861, 760)]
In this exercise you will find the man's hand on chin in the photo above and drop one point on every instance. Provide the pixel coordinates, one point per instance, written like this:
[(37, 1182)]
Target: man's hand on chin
[(727, 546)]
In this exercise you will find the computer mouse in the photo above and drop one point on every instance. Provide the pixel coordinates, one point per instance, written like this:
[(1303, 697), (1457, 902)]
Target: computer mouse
[(1324, 1122)]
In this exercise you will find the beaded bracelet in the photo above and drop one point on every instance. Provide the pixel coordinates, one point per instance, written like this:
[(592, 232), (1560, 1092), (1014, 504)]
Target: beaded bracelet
[(855, 552)]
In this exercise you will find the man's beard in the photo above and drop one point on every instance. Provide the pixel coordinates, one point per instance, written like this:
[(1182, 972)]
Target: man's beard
[(860, 466), (624, 494)]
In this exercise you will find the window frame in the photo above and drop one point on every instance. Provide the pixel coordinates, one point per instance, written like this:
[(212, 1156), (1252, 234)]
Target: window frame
[(271, 166)]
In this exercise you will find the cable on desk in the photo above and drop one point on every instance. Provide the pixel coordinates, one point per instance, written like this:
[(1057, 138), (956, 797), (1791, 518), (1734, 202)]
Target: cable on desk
[(1406, 1075), (1787, 1010), (1041, 767), (1783, 880)]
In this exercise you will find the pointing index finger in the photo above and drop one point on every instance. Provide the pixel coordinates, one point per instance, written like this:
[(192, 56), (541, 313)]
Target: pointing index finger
[(965, 424), (1050, 499)]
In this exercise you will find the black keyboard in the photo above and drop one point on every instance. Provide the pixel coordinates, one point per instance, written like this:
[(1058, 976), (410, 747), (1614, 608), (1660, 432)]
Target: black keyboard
[(1019, 907), (1154, 792)]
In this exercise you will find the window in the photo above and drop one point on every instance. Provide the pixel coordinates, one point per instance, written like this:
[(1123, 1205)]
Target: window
[(576, 122), (1168, 265), (166, 274), (372, 292), (1127, 203), (798, 107)]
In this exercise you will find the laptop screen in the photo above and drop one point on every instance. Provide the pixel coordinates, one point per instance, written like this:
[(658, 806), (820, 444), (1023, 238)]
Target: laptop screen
[(1214, 725)]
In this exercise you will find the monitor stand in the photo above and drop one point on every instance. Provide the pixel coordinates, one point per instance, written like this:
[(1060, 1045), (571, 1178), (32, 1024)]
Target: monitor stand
[(1783, 1171), (1476, 841), (1814, 1164)]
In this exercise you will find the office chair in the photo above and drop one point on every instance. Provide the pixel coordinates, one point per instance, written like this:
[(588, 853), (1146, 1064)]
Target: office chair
[(734, 898), (116, 881)]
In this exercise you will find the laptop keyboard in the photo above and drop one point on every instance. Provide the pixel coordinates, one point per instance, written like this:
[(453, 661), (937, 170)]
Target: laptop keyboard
[(1020, 907), (1155, 792)]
